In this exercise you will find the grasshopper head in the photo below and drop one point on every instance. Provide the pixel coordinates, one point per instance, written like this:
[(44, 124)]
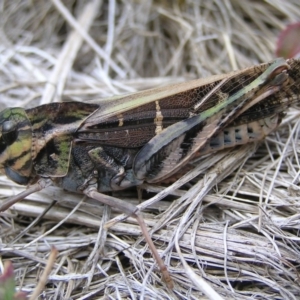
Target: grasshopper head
[(15, 145)]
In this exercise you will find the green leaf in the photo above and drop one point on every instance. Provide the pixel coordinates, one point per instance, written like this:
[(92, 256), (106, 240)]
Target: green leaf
[(7, 284)]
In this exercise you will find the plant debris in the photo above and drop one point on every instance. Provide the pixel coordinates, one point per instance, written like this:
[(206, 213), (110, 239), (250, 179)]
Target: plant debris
[(231, 223)]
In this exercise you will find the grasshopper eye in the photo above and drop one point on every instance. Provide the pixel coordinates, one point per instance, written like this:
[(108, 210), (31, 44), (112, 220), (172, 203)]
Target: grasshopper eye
[(2, 145), (9, 132)]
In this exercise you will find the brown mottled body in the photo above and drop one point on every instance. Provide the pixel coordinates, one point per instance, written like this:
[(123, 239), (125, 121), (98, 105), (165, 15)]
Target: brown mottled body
[(113, 144)]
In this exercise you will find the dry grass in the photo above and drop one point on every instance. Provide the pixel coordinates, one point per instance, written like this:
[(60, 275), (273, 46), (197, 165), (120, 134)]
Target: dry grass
[(236, 226)]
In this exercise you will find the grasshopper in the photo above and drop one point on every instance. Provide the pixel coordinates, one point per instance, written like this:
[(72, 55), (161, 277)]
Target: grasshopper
[(112, 144)]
